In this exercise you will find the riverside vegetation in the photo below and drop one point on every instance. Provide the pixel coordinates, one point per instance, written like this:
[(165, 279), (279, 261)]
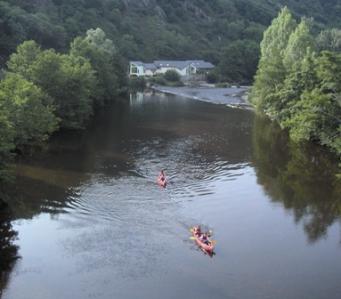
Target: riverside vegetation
[(43, 90), (298, 82)]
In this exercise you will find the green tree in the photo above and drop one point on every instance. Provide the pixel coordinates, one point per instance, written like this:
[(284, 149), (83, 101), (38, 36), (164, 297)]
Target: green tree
[(172, 76), (105, 60), (329, 74), (27, 111), (304, 95), (6, 139), (300, 41), (69, 80), (239, 61), (22, 60), (271, 71), (301, 78), (329, 40)]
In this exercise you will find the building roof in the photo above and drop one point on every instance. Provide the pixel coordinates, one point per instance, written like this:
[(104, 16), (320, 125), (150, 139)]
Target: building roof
[(201, 64), (149, 66), (179, 64), (139, 63)]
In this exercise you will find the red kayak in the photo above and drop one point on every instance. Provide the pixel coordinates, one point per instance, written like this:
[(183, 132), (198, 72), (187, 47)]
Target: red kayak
[(162, 183), (205, 247)]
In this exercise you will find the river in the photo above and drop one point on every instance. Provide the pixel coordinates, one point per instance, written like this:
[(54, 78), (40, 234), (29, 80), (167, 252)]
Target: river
[(91, 222)]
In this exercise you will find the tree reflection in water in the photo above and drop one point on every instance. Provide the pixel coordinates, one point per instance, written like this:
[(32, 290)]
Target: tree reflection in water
[(8, 251), (301, 177)]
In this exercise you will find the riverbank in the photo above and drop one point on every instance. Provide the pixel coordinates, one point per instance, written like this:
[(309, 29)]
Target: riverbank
[(233, 96)]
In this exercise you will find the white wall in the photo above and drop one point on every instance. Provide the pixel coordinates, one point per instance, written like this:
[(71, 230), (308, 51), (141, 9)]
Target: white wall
[(140, 70), (148, 73), (181, 72)]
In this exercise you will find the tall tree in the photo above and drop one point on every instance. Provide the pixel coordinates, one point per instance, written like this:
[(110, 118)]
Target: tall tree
[(329, 40), (271, 71), (22, 60), (300, 41), (25, 107), (103, 56), (67, 79)]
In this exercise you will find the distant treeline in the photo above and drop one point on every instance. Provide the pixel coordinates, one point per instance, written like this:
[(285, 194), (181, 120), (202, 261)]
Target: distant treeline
[(224, 32), (298, 82), (43, 90)]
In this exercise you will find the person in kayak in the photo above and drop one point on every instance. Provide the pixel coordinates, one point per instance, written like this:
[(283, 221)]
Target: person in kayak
[(197, 231), (162, 176), (204, 238)]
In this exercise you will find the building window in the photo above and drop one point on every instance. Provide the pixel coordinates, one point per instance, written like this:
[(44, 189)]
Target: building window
[(134, 69)]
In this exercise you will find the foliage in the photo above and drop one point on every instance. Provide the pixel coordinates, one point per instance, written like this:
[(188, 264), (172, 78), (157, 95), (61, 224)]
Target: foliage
[(172, 76), (6, 140), (300, 41), (102, 54), (152, 29), (298, 86), (138, 83), (239, 61), (212, 77), (21, 61), (26, 109), (67, 79), (26, 118), (271, 71), (159, 80), (329, 40)]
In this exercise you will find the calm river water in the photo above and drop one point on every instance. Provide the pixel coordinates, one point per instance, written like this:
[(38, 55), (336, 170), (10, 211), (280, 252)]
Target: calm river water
[(92, 222)]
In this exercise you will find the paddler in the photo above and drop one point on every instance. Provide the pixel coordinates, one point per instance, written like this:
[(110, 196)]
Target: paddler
[(197, 231), (162, 176)]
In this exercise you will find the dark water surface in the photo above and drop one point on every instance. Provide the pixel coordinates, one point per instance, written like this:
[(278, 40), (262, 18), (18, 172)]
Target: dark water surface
[(92, 223)]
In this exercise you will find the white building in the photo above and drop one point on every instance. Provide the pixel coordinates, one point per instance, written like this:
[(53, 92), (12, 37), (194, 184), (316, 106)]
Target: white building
[(182, 67)]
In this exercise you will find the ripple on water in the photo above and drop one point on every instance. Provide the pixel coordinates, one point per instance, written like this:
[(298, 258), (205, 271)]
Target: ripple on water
[(121, 224), (126, 200)]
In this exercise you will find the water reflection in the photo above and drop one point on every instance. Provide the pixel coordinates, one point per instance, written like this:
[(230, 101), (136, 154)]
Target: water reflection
[(196, 143), (8, 251), (300, 177)]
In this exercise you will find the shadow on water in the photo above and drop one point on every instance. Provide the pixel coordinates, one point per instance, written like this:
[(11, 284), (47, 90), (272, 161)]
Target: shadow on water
[(8, 251), (300, 177)]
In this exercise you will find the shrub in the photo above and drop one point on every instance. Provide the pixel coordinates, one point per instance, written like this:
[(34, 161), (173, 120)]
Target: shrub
[(172, 76)]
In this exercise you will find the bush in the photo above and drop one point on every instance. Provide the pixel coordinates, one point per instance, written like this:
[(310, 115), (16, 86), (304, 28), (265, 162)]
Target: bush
[(138, 83), (223, 85), (212, 77), (159, 80), (172, 76)]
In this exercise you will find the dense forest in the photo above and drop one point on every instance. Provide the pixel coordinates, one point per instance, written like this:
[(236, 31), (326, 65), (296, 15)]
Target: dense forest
[(225, 32), (298, 82)]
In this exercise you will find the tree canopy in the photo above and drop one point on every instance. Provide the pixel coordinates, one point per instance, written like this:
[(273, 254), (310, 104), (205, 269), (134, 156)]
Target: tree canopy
[(157, 29), (298, 80), (44, 90)]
